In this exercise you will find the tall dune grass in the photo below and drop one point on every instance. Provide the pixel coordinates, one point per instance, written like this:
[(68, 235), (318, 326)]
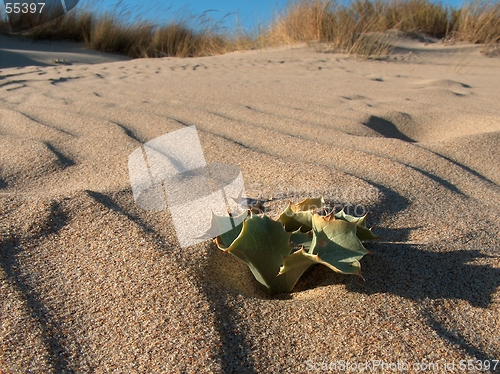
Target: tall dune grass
[(478, 22), (111, 32), (357, 28)]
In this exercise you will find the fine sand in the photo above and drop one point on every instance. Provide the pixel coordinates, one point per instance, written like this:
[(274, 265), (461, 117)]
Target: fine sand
[(92, 283)]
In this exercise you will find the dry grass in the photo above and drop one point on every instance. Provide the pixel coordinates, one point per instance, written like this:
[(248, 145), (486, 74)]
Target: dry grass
[(478, 22), (75, 27), (108, 32), (357, 29), (145, 39), (350, 29)]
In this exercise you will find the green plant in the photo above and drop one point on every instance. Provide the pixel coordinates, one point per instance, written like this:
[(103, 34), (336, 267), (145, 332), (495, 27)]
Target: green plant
[(279, 251)]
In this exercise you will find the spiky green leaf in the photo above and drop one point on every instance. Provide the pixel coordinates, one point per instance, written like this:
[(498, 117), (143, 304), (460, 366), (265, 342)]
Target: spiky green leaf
[(262, 245), (310, 204), (362, 231), (295, 265), (266, 245), (225, 228), (303, 239), (293, 221), (336, 244)]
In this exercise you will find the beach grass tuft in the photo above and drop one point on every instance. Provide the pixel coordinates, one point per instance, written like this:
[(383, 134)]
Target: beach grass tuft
[(358, 28)]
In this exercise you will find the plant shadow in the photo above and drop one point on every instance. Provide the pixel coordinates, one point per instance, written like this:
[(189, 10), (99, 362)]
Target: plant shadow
[(11, 252), (415, 274), (234, 354), (223, 285), (412, 272)]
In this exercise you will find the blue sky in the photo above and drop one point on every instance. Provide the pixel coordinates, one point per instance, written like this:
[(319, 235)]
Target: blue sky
[(247, 13)]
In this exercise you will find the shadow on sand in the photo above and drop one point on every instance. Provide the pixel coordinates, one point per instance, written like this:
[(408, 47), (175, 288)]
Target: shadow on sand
[(386, 128), (11, 251), (414, 272)]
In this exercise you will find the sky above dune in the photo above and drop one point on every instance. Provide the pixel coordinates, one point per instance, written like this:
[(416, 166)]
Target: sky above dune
[(223, 14), (227, 14)]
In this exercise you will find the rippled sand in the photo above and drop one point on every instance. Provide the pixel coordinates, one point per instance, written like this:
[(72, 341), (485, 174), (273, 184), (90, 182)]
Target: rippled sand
[(92, 283)]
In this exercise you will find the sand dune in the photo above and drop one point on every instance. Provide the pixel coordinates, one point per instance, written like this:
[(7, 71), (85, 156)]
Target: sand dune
[(16, 52), (92, 283)]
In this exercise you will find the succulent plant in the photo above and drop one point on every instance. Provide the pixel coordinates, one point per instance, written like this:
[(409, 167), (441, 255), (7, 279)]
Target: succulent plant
[(279, 251)]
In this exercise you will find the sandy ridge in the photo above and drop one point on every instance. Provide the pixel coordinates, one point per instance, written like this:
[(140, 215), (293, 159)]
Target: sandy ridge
[(92, 283)]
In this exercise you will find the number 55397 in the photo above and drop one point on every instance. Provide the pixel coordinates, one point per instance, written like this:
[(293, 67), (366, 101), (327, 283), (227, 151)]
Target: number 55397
[(24, 8)]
